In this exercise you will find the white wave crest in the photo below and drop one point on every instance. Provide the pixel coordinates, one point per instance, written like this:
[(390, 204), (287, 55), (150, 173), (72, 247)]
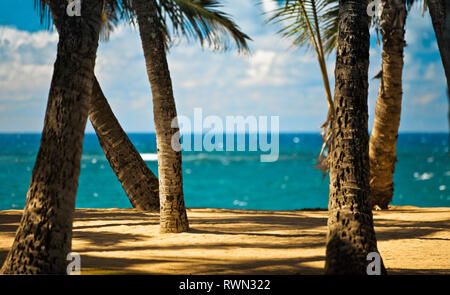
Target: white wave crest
[(150, 157)]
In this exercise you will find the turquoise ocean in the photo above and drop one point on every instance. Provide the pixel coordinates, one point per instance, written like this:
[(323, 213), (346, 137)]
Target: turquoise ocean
[(236, 179)]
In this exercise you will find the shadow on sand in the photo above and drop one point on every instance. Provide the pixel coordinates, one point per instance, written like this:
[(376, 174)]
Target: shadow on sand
[(219, 242)]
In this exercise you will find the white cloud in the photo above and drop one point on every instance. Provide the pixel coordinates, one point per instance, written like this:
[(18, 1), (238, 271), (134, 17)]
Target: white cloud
[(260, 66), (434, 72), (140, 103), (188, 84), (425, 99), (27, 63), (419, 28), (274, 62), (269, 6), (274, 80), (15, 38)]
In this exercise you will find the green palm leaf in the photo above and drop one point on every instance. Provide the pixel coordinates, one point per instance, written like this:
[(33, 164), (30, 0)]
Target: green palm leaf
[(312, 24), (201, 19), (194, 19), (294, 16), (111, 10)]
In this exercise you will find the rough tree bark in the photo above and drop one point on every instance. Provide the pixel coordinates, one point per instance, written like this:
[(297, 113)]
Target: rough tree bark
[(173, 216), (351, 235), (383, 139), (138, 181), (44, 236), (440, 17)]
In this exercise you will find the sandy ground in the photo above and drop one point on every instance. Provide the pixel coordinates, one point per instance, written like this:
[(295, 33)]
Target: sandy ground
[(411, 241)]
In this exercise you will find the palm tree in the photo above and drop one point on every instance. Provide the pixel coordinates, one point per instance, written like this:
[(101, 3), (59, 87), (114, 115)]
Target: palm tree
[(440, 17), (191, 19), (173, 216), (44, 236), (312, 24), (351, 234), (197, 18), (383, 139), (138, 181), (382, 150)]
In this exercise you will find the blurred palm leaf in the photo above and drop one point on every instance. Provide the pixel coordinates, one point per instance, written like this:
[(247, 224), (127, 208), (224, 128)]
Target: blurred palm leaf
[(110, 18), (303, 18), (193, 19), (202, 20), (409, 4), (313, 24)]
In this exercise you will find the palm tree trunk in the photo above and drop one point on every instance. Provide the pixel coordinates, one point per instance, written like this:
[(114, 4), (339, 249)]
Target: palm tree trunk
[(173, 216), (44, 237), (138, 181), (383, 140), (440, 17), (351, 235)]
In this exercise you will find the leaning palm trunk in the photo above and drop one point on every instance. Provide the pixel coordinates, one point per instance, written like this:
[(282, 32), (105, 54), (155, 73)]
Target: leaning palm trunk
[(173, 216), (351, 235), (138, 181), (383, 140), (440, 16), (44, 237)]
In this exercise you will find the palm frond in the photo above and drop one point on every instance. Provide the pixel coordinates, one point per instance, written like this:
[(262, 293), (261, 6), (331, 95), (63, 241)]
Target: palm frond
[(198, 19), (41, 6), (112, 12), (329, 24), (321, 13), (411, 3), (201, 19), (313, 24)]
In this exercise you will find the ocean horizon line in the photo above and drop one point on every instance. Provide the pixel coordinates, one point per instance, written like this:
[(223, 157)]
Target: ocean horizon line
[(194, 133)]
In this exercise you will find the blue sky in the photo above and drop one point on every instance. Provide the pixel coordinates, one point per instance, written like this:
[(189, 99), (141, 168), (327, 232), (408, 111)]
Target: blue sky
[(273, 80)]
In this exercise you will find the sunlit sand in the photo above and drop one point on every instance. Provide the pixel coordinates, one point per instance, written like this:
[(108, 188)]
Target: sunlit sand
[(411, 240)]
